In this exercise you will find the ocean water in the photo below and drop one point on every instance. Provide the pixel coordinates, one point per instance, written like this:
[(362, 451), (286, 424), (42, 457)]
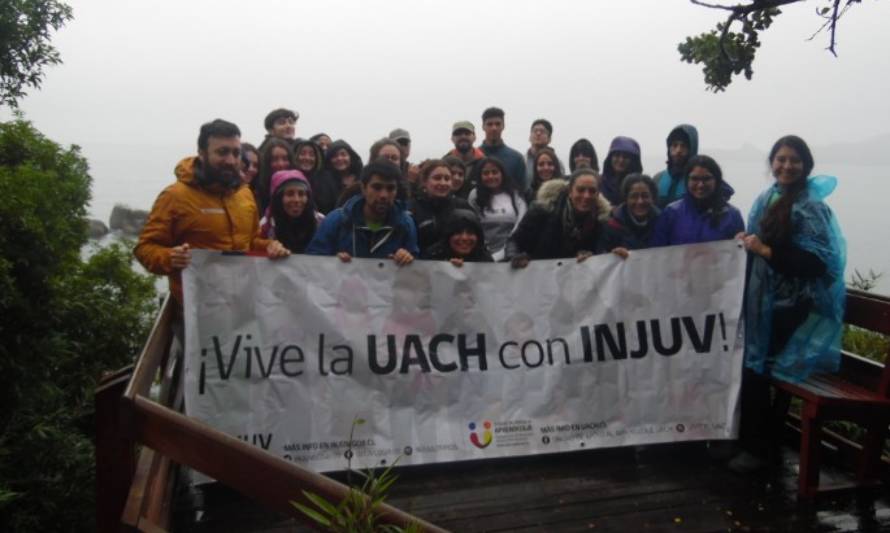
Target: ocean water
[(134, 176)]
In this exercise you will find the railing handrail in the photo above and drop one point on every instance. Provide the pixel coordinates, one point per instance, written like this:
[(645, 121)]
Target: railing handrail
[(260, 475)]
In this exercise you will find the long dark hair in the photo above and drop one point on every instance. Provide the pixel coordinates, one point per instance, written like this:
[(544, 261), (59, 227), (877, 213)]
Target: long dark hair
[(483, 193), (585, 147), (775, 226), (293, 233), (264, 177), (536, 178), (717, 201)]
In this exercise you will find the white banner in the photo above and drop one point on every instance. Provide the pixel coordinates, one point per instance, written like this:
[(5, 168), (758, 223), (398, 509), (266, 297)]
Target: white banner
[(447, 364)]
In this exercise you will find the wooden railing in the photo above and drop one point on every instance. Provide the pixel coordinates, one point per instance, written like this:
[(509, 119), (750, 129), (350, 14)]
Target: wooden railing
[(134, 489), (134, 494)]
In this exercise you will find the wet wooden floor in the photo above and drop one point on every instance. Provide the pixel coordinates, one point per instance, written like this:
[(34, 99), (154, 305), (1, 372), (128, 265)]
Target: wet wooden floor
[(676, 487)]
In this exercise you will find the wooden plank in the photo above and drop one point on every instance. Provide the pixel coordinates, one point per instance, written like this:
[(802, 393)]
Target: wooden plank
[(139, 489), (868, 311), (250, 470), (115, 458), (153, 352), (157, 505)]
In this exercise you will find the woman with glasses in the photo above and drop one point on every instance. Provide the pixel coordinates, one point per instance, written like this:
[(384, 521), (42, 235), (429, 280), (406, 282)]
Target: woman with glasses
[(704, 213)]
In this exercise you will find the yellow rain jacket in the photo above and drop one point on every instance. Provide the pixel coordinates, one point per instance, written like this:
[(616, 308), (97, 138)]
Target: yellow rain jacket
[(188, 213)]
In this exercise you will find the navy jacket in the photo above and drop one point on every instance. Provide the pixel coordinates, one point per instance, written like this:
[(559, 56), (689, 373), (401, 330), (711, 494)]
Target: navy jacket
[(344, 230)]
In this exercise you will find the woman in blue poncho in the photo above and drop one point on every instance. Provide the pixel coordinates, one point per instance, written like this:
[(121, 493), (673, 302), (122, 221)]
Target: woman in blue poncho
[(794, 301)]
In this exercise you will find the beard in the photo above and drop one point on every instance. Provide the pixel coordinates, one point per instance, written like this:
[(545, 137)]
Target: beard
[(208, 175), (463, 146)]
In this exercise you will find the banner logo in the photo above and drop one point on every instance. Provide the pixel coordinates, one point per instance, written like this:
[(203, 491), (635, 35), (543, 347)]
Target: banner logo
[(486, 434)]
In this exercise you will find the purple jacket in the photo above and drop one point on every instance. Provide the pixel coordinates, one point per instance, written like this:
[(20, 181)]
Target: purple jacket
[(682, 223), (610, 185)]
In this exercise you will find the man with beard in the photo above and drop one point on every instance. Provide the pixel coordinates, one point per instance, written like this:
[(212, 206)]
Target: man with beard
[(682, 145), (463, 135), (371, 224), (206, 208)]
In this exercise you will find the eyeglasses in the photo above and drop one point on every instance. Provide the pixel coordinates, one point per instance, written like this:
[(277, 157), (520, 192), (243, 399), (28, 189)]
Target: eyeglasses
[(701, 179), (404, 142)]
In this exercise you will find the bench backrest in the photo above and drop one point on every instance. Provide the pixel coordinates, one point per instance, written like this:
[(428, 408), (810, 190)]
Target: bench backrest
[(871, 312)]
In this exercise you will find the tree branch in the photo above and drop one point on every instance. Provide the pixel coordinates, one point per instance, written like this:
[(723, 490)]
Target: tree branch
[(834, 17), (744, 9)]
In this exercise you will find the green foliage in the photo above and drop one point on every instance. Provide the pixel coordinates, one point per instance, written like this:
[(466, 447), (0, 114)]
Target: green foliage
[(864, 343), (861, 341), (725, 53), (25, 28), (357, 512), (65, 320)]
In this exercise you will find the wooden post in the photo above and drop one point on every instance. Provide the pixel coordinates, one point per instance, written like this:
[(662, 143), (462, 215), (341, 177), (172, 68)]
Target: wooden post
[(811, 439), (115, 457)]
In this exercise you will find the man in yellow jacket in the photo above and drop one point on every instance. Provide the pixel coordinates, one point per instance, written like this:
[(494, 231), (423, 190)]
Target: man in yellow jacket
[(207, 207)]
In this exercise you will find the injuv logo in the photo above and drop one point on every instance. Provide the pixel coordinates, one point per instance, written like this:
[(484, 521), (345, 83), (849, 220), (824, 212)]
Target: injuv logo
[(486, 434)]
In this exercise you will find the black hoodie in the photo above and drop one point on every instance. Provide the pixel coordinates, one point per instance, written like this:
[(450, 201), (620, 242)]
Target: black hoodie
[(327, 184), (459, 220)]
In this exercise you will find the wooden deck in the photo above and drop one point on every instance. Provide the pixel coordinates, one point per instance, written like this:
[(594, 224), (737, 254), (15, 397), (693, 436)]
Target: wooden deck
[(675, 487)]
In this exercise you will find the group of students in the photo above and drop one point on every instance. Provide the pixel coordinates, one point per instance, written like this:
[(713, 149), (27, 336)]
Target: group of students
[(513, 208), (490, 204)]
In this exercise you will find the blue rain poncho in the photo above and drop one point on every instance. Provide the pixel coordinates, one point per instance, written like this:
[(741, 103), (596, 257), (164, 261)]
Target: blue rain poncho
[(815, 344)]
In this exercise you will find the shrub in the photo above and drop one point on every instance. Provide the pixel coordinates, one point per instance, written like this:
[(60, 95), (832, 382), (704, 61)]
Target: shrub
[(65, 320)]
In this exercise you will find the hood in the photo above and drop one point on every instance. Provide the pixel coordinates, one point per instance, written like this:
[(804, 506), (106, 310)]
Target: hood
[(185, 170), (821, 187), (356, 164), (623, 144), (189, 171), (461, 219), (319, 155), (691, 135), (552, 191)]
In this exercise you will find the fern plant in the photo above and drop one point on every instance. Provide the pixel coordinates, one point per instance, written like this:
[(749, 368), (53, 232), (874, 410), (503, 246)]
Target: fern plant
[(358, 511)]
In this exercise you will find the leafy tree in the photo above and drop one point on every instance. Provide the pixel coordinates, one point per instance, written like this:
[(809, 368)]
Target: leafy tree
[(729, 49), (25, 27), (65, 320)]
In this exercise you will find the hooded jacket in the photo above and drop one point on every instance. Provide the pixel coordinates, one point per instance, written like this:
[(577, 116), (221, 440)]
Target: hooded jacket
[(610, 185), (187, 212), (541, 235), (430, 215), (623, 231), (326, 184), (459, 220), (345, 230), (671, 187), (319, 157), (682, 222)]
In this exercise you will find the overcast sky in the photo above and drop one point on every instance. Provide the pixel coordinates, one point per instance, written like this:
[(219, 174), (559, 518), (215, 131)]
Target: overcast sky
[(144, 75)]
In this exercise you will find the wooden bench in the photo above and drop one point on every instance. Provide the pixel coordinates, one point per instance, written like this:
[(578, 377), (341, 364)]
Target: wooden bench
[(851, 395)]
